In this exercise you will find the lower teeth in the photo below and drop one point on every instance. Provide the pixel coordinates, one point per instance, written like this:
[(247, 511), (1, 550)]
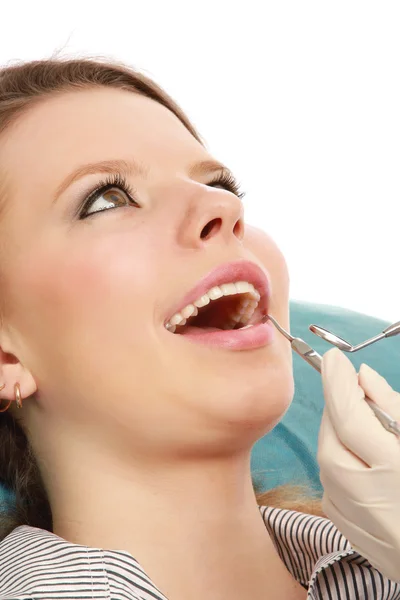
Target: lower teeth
[(246, 327)]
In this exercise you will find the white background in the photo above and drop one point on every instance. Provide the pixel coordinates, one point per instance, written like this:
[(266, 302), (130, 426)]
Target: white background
[(300, 99)]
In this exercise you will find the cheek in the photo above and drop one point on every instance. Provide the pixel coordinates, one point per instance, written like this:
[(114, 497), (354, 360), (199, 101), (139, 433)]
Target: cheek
[(265, 249), (100, 290)]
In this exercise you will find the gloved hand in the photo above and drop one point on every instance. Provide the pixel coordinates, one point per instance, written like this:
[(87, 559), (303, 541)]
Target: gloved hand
[(360, 461)]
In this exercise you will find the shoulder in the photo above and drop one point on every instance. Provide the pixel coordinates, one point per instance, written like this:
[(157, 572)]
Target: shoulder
[(32, 558), (312, 533), (319, 556)]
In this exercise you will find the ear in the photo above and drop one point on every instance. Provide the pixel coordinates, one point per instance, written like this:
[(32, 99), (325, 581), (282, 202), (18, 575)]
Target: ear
[(12, 371)]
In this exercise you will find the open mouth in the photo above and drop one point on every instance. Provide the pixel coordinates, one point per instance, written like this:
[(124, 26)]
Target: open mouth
[(233, 311)]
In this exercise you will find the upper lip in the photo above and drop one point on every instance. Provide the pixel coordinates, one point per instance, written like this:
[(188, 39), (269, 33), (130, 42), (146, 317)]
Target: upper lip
[(239, 270)]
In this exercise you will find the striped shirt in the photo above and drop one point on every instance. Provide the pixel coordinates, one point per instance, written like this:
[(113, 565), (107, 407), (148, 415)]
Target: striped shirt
[(38, 565)]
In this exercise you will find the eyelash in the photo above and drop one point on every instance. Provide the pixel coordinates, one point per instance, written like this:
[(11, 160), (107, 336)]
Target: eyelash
[(117, 180)]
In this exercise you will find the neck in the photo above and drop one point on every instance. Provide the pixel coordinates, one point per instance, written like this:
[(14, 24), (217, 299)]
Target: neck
[(189, 524)]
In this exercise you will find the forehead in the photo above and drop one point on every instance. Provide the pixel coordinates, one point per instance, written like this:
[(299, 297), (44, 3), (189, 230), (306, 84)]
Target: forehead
[(70, 128)]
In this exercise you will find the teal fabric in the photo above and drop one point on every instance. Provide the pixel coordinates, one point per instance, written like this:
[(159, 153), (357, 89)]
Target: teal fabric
[(287, 454)]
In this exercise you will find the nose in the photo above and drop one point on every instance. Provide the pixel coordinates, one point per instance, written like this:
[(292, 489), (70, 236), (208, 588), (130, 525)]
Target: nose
[(215, 213)]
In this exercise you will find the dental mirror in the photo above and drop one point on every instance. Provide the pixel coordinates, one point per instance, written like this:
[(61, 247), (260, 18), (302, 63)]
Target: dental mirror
[(331, 338), (340, 343)]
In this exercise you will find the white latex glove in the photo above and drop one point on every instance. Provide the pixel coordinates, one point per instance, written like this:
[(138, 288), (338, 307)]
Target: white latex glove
[(360, 461)]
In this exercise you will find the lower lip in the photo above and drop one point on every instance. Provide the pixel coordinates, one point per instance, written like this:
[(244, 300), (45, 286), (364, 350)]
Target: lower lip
[(256, 336)]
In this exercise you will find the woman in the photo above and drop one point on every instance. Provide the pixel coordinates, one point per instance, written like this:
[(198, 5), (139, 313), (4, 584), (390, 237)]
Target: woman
[(130, 455)]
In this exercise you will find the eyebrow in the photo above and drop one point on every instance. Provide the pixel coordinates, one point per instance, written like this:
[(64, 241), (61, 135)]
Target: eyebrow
[(132, 168)]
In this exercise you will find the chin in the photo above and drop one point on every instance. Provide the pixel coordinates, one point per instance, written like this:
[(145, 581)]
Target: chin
[(256, 405)]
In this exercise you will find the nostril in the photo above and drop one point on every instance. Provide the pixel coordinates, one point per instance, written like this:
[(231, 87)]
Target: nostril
[(238, 230), (214, 223)]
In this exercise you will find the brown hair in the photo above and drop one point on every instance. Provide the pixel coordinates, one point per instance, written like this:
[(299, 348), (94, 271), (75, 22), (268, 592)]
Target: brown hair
[(21, 86)]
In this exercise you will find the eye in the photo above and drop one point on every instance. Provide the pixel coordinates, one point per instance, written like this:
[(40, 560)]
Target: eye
[(110, 194), (226, 181)]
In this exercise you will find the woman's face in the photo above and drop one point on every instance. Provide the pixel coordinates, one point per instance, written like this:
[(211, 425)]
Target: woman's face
[(87, 298)]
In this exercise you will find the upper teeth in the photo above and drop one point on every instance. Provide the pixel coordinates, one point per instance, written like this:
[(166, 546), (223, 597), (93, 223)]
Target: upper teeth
[(243, 314)]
